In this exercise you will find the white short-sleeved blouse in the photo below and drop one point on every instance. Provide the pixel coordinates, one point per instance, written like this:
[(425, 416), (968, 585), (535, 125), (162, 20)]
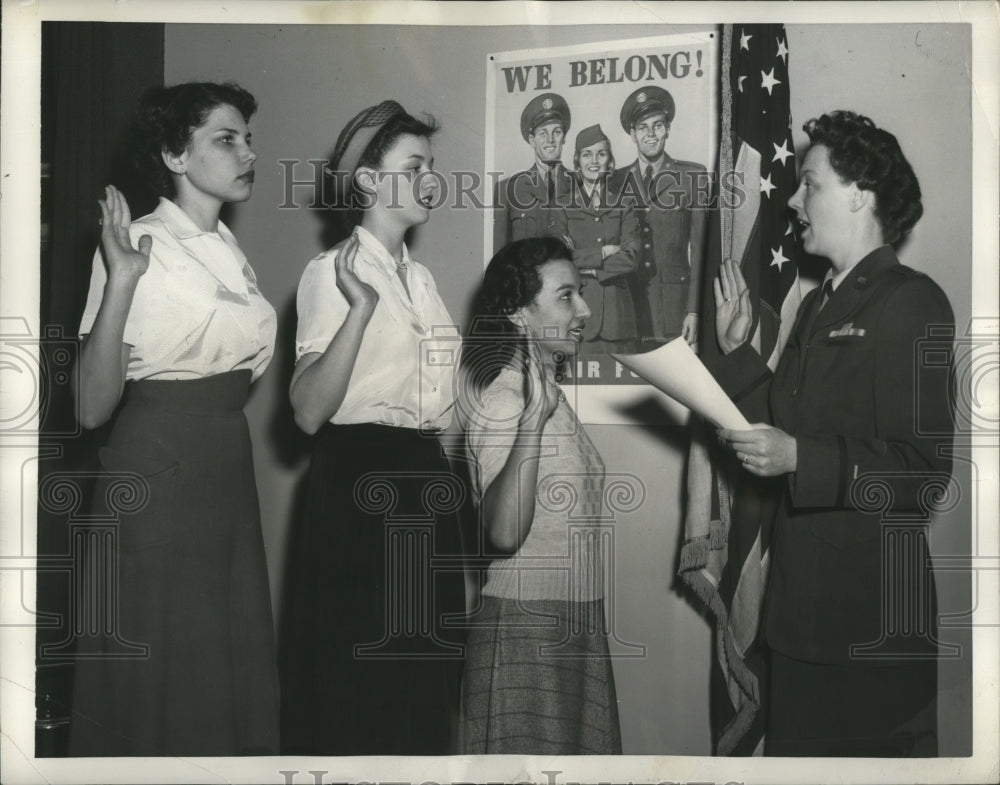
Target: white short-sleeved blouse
[(197, 310), (405, 368)]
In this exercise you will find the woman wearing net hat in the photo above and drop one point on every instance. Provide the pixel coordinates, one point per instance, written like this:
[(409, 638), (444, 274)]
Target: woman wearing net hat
[(365, 665)]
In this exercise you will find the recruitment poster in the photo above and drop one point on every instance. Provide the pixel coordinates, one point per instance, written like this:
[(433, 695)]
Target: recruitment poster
[(650, 101)]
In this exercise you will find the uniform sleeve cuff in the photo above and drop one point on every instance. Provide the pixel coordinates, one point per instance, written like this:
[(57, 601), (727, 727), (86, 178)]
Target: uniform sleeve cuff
[(820, 476)]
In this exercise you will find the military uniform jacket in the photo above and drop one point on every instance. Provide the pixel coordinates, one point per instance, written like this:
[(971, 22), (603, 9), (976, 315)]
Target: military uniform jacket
[(672, 220), (521, 205), (866, 395), (589, 228)]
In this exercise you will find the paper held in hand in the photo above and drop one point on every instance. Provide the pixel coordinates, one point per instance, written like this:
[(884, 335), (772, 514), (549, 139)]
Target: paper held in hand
[(676, 371)]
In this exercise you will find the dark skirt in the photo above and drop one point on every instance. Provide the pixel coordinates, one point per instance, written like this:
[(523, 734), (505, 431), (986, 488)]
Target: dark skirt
[(538, 680), (187, 667), (863, 711), (371, 636)]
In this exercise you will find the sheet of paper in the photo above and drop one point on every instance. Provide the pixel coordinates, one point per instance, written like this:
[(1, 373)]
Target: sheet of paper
[(676, 371)]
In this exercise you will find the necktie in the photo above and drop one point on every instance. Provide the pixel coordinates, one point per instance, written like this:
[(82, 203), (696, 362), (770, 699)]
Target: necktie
[(816, 307), (827, 293), (550, 184), (647, 180)]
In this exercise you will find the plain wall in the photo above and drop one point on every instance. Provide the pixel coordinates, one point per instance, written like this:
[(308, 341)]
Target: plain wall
[(310, 80)]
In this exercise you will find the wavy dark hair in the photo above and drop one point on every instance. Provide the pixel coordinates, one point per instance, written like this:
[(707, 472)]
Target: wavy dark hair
[(511, 281), (864, 154), (168, 116)]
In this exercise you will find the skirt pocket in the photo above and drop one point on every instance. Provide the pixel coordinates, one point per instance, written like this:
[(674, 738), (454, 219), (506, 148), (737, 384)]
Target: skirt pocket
[(143, 504)]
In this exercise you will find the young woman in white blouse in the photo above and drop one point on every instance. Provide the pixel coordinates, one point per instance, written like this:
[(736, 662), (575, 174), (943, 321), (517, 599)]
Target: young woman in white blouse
[(367, 664), (174, 331)]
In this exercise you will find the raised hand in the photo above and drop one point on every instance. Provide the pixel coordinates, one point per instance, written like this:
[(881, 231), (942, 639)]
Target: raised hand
[(358, 293), (541, 395), (733, 313), (122, 259)]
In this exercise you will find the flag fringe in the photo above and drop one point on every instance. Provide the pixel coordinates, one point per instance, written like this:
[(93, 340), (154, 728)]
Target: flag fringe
[(718, 533), (694, 554)]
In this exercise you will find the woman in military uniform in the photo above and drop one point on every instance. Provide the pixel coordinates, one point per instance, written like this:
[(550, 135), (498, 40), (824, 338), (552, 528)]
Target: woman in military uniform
[(843, 406)]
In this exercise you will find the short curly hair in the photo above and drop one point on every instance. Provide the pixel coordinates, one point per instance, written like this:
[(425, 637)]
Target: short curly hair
[(511, 281), (168, 116), (864, 154)]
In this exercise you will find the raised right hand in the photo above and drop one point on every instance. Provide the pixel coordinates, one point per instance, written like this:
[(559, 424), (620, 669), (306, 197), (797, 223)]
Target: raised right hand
[(733, 313), (122, 259), (358, 293)]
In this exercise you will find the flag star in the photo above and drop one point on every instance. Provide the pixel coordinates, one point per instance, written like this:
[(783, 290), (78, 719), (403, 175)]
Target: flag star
[(768, 81), (783, 51), (766, 186), (778, 258), (790, 229), (739, 82), (745, 41), (781, 153)]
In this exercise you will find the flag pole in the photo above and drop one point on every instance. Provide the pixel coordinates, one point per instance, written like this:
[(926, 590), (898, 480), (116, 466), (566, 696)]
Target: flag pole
[(726, 145)]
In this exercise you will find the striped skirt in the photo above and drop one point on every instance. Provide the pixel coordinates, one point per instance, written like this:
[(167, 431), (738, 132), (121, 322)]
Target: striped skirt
[(538, 680)]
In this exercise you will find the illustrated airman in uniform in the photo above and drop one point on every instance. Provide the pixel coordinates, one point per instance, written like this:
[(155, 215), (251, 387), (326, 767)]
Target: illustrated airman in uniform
[(522, 202), (670, 197)]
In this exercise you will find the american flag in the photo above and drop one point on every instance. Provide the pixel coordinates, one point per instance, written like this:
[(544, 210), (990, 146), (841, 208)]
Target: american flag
[(725, 555)]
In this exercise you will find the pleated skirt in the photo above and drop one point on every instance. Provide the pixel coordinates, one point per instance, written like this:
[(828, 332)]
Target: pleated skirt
[(538, 680), (371, 634), (181, 661)]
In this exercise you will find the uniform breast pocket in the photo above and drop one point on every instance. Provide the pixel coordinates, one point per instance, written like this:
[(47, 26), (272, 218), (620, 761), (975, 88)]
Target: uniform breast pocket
[(524, 225), (140, 491), (579, 227)]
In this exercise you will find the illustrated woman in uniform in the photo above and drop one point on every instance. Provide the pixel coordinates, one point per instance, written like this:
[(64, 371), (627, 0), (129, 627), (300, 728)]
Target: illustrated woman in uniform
[(605, 242), (367, 667), (174, 331)]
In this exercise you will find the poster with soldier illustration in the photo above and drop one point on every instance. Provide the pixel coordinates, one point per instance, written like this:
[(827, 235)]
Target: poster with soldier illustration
[(610, 147)]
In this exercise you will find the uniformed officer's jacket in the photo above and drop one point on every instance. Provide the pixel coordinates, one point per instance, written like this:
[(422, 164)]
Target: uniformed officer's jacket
[(672, 220), (521, 205), (588, 228), (865, 393)]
